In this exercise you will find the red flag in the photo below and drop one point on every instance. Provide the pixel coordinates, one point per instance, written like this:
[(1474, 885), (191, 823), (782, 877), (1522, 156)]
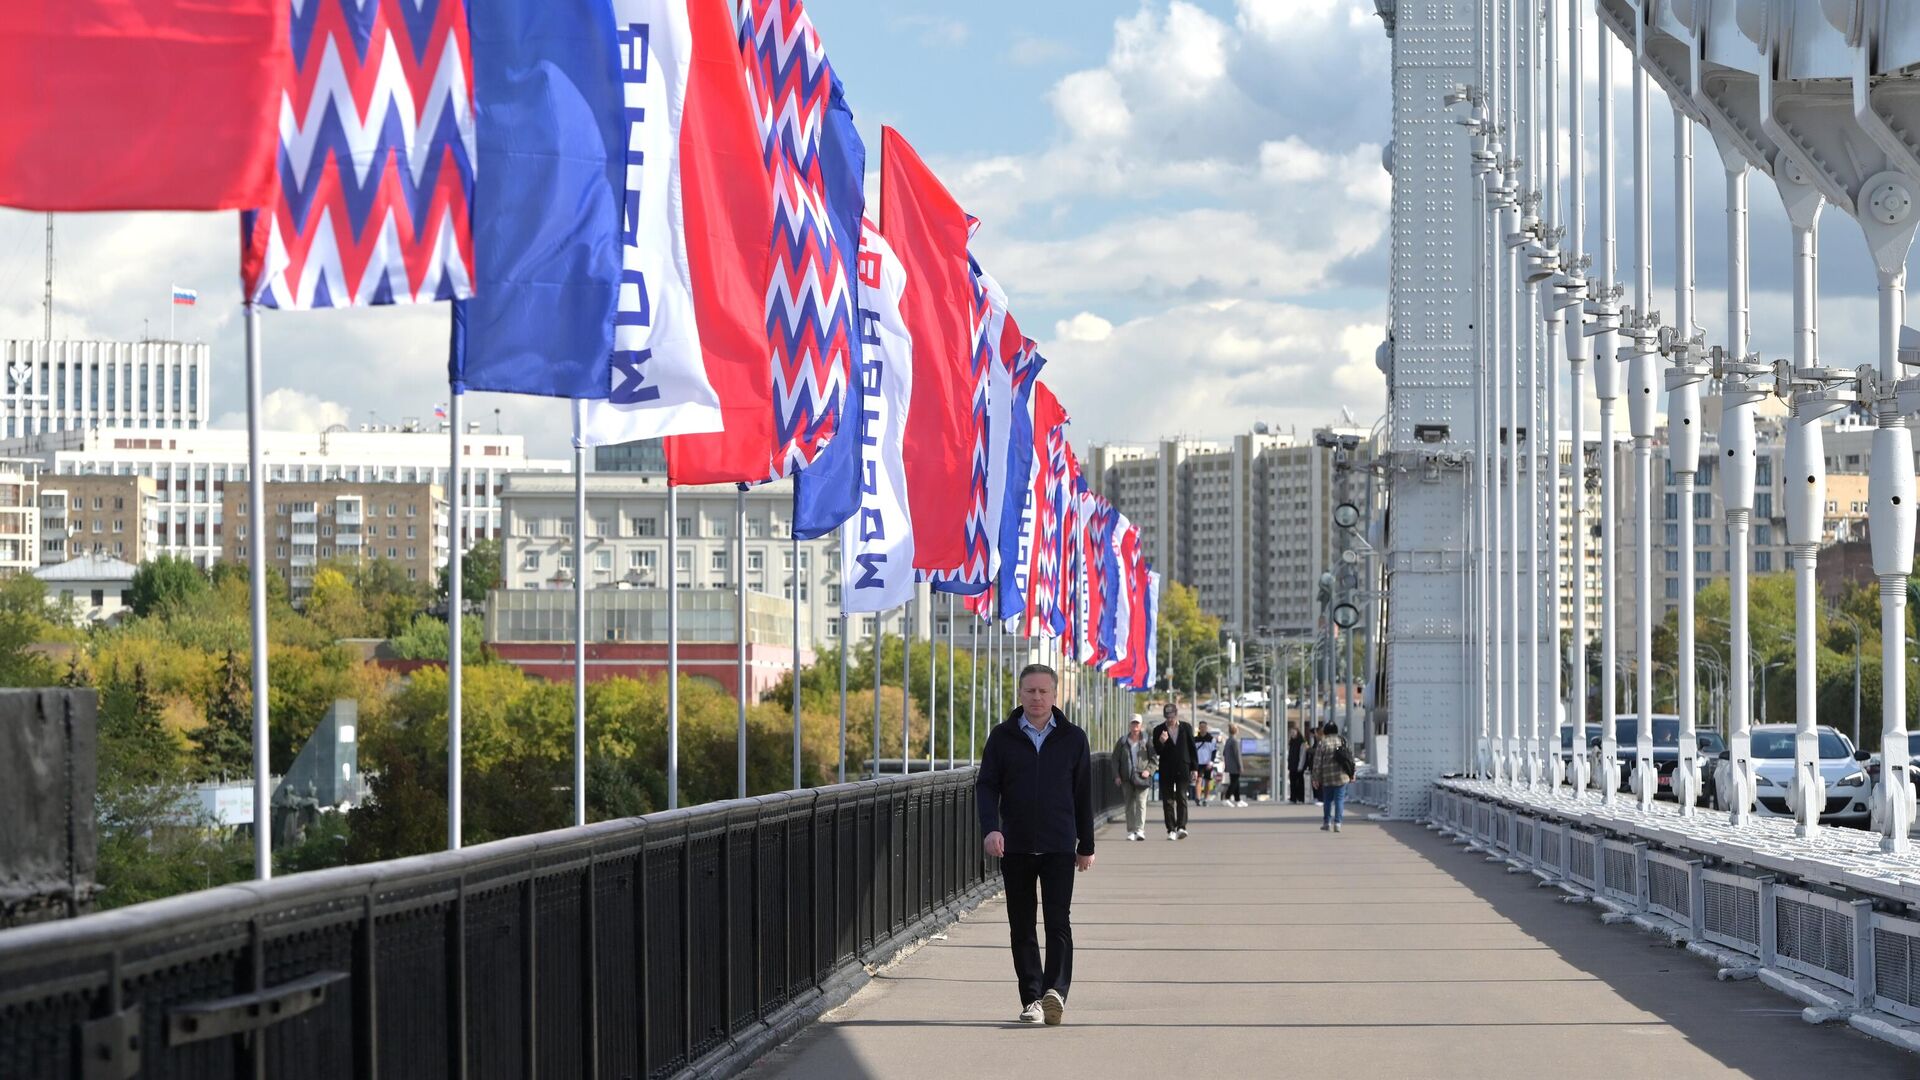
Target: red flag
[(928, 230), (155, 105)]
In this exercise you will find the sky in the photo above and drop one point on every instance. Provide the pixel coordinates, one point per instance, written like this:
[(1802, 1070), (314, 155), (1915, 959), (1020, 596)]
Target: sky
[(1183, 200)]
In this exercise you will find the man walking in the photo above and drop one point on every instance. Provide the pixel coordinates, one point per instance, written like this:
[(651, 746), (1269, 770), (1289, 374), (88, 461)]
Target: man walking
[(1333, 769), (1133, 772), (1035, 790), (1205, 746), (1230, 761), (1173, 745), (1296, 763)]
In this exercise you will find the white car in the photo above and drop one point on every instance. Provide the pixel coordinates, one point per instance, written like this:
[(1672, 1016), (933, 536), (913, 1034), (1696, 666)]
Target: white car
[(1849, 791)]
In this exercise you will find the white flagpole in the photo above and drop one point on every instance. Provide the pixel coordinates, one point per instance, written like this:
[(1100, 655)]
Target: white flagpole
[(973, 686), (456, 606), (740, 577), (257, 605), (879, 638), (797, 579), (846, 644), (906, 686), (933, 683), (950, 680), (579, 611), (673, 648), (841, 775)]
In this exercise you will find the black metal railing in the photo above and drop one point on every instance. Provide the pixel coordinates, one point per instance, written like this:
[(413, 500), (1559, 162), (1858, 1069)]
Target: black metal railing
[(686, 941)]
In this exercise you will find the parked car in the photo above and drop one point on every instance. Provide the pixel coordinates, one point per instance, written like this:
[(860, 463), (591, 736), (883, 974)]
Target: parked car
[(1666, 752), (1849, 787)]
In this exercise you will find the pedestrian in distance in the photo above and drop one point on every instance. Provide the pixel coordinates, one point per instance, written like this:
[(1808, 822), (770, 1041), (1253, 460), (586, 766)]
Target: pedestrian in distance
[(1205, 746), (1173, 746), (1035, 794), (1296, 763), (1230, 763), (1133, 767), (1313, 747), (1333, 770)]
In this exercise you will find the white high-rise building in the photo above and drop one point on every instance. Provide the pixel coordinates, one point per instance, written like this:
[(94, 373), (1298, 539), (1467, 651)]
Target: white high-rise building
[(1246, 521), (80, 385), (192, 467)]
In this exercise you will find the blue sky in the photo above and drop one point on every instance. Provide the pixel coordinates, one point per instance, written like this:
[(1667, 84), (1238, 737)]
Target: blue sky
[(1183, 200)]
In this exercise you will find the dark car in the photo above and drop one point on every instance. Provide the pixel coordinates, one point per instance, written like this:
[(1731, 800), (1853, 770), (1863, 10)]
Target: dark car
[(1666, 751)]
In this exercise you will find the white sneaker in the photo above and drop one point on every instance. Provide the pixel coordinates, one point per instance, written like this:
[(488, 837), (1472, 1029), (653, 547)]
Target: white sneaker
[(1173, 835), (1183, 834), (1052, 1006), (1336, 826), (1032, 1014)]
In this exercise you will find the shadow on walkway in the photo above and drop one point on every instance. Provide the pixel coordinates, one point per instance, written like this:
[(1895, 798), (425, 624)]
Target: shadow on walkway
[(1261, 946)]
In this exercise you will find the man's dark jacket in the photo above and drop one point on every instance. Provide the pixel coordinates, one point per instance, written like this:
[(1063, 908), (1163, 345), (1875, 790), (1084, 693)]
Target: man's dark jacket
[(1040, 803), (1177, 754)]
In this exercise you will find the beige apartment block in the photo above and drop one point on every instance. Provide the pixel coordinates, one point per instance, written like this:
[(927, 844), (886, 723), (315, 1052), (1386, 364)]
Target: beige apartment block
[(310, 523), (116, 516)]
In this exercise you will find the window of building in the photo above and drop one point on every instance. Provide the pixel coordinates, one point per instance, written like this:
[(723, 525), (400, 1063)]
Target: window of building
[(1763, 562), (1702, 535), (413, 553), (602, 526), (413, 510), (603, 560), (393, 553), (833, 594), (640, 559), (1672, 506), (410, 532), (1673, 588), (279, 551), (1703, 562), (643, 526), (683, 561), (717, 562), (1763, 472), (756, 560), (240, 532), (1763, 505), (683, 526), (530, 562), (1673, 561), (756, 528)]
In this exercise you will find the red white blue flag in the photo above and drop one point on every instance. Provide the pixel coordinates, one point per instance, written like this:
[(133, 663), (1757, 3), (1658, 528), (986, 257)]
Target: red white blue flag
[(928, 230), (113, 105), (1041, 613), (744, 198), (877, 543), (376, 165)]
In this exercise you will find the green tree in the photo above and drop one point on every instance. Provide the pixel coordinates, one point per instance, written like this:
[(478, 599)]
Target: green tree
[(23, 625), (165, 581), (1187, 637), (426, 638), (335, 606), (223, 747), (479, 572)]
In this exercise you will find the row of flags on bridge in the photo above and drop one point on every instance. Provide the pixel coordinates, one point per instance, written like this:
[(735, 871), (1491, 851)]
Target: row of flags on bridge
[(655, 207)]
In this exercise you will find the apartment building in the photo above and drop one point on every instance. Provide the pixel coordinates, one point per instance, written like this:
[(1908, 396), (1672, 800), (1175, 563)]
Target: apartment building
[(116, 516), (64, 385), (314, 522), (626, 547), (1246, 521), (193, 470)]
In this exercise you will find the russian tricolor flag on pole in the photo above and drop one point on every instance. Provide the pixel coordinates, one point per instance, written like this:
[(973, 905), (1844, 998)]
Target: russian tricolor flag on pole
[(185, 297)]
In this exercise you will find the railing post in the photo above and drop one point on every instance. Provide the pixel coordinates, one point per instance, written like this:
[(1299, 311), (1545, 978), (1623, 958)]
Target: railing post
[(1697, 899), (1863, 972), (1641, 886), (1768, 937)]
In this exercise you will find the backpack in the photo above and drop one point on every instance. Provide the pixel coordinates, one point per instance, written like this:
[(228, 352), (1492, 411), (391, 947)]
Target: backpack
[(1343, 757)]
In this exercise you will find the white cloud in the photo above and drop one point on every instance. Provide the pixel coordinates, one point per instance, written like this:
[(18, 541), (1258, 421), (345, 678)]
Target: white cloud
[(1030, 51), (291, 410), (1084, 327), (1089, 103), (1219, 366), (936, 30)]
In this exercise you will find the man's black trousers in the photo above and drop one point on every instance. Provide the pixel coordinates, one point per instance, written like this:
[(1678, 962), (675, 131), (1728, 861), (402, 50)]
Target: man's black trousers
[(1053, 874), (1173, 801)]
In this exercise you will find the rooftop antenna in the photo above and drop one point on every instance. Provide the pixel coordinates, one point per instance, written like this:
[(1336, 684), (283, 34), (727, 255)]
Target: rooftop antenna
[(48, 329)]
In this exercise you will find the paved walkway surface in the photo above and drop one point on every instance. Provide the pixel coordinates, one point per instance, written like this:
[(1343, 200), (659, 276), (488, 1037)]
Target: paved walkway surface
[(1261, 946)]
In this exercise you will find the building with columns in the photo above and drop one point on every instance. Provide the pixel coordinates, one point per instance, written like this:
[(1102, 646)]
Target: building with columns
[(191, 470)]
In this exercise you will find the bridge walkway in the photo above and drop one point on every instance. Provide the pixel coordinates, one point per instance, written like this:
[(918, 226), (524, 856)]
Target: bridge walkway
[(1261, 946)]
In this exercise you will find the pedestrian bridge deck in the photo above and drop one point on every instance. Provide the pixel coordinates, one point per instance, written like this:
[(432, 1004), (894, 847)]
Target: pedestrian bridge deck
[(1261, 946)]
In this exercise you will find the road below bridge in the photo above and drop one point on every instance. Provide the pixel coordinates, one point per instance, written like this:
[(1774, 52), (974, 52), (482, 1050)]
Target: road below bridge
[(1261, 946)]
